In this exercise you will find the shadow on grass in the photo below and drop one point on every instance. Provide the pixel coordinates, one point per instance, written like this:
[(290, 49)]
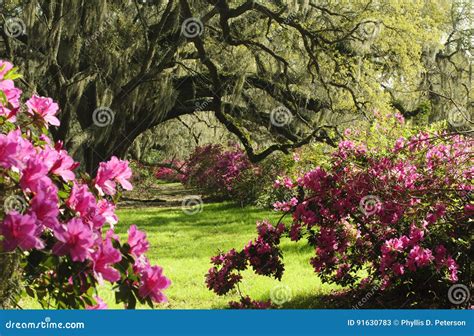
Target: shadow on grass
[(365, 299), (158, 219)]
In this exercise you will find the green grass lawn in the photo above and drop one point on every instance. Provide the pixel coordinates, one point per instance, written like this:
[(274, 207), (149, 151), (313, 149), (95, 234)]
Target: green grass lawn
[(183, 244)]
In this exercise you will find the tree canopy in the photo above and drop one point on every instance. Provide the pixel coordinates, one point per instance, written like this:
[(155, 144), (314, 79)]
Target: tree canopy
[(121, 68)]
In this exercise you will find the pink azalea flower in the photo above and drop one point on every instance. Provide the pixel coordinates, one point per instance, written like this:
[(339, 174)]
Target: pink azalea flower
[(394, 244), (45, 108), (469, 209), (112, 172), (453, 269), (13, 94), (104, 258), (398, 269), (418, 256), (34, 172), (45, 205), (8, 151), (399, 117), (84, 203), (107, 210), (25, 148), (20, 231), (59, 163), (152, 283), (76, 239), (137, 241), (99, 306), (80, 199), (416, 235)]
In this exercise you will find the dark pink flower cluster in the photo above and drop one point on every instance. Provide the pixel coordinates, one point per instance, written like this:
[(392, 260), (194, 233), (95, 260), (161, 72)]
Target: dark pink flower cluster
[(215, 170), (400, 213), (173, 173), (52, 214), (247, 303), (224, 275), (262, 254)]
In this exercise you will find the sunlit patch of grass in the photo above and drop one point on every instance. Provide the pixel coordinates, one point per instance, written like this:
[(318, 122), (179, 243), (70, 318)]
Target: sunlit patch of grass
[(183, 245)]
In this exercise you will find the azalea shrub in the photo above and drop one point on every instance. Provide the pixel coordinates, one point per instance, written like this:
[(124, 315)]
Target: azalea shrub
[(59, 223), (224, 173), (396, 216), (171, 171)]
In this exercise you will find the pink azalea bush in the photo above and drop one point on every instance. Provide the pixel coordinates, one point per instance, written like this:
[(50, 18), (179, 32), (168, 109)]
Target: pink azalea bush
[(392, 217), (214, 170), (63, 227), (226, 173), (171, 171)]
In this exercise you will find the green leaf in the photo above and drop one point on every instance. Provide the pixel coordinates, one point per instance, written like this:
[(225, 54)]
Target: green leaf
[(12, 74), (3, 98)]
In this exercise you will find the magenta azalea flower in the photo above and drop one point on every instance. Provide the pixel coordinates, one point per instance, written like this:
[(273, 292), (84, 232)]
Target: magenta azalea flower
[(84, 203), (10, 108), (20, 231), (32, 175), (76, 239), (59, 163), (107, 210), (153, 282), (25, 148), (104, 258), (112, 172), (8, 150), (419, 256), (80, 199), (137, 241), (45, 108), (45, 205)]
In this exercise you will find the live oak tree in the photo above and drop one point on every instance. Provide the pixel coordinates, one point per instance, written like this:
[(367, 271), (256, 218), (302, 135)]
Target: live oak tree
[(316, 65)]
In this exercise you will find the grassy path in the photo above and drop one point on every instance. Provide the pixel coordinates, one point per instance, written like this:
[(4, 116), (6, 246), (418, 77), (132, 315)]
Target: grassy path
[(183, 244)]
